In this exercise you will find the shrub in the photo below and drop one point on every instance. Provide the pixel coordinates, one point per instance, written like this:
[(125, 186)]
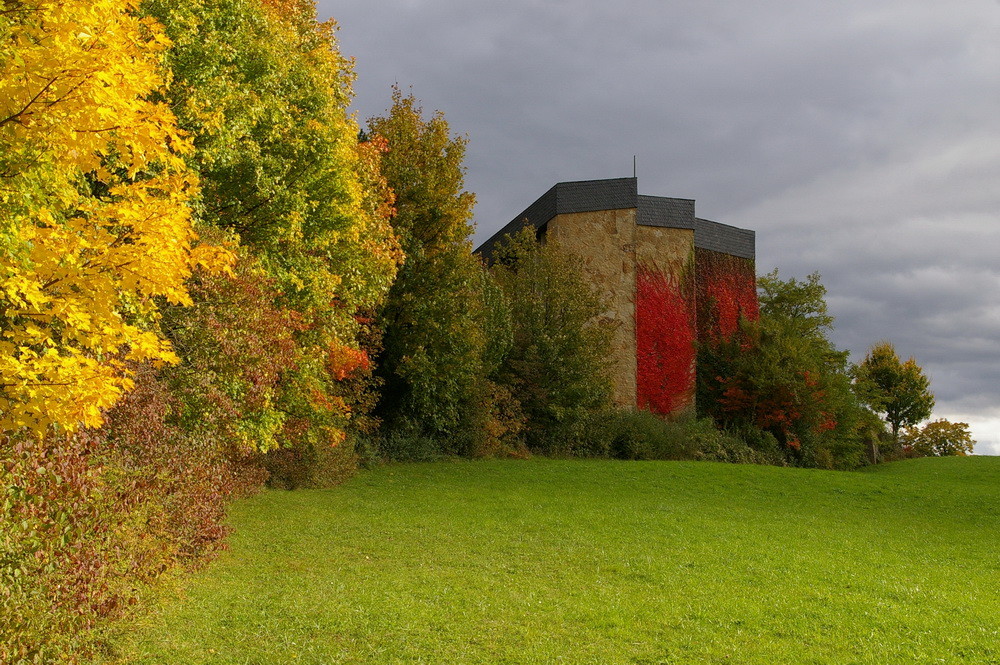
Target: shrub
[(499, 433), (308, 465), (401, 446), (50, 571), (91, 520), (751, 445), (641, 435), (236, 343)]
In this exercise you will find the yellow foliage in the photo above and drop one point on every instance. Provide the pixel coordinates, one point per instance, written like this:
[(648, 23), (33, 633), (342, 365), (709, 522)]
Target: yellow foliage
[(94, 216)]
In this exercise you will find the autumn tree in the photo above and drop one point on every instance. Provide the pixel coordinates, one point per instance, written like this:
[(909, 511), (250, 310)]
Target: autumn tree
[(125, 128), (432, 362), (95, 227), (899, 391), (95, 237), (263, 90), (559, 362), (782, 376), (939, 438)]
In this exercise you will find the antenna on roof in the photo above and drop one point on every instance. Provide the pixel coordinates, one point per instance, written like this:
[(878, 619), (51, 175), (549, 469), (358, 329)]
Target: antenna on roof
[(633, 166)]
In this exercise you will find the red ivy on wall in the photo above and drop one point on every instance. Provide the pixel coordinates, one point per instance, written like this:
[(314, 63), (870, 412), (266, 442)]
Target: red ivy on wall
[(727, 289), (665, 342)]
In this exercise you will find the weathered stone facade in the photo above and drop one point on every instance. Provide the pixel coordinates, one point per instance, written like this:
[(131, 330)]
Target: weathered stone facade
[(605, 242), (640, 253)]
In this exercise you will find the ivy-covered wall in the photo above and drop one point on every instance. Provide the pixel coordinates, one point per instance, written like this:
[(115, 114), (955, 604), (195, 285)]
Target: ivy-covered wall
[(726, 290), (666, 295), (664, 319), (664, 341), (669, 280)]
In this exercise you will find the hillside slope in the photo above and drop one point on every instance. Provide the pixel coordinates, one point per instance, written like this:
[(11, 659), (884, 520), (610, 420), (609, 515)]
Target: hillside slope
[(604, 562)]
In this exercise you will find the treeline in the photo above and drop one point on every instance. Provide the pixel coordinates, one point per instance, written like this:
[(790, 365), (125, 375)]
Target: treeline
[(211, 278), (192, 237), (781, 385)]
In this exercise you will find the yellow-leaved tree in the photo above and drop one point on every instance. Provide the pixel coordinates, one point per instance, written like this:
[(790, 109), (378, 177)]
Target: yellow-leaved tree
[(94, 216)]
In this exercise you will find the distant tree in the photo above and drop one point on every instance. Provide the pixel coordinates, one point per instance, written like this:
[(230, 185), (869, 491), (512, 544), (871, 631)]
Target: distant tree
[(939, 438), (559, 361), (898, 391)]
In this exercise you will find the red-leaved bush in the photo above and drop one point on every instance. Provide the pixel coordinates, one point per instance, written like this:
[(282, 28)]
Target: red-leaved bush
[(52, 520), (237, 344), (88, 521)]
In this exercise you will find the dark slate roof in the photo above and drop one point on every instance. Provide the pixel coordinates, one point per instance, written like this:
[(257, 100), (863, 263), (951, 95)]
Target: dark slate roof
[(724, 238), (565, 198), (619, 194), (666, 212)]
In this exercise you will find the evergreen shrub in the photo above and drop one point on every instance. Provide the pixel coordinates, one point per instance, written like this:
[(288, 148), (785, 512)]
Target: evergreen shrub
[(310, 465)]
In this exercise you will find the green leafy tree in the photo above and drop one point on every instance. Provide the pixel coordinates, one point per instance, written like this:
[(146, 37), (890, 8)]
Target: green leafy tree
[(898, 391), (559, 363), (263, 91), (780, 379), (939, 438), (432, 362)]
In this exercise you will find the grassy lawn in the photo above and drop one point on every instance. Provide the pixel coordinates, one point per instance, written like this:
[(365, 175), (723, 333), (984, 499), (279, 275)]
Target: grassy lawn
[(603, 562)]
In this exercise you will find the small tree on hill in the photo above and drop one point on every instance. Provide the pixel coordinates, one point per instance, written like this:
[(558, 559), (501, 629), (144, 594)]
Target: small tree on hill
[(898, 391), (939, 438)]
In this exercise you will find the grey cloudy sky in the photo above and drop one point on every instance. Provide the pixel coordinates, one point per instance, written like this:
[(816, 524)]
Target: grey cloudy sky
[(859, 139)]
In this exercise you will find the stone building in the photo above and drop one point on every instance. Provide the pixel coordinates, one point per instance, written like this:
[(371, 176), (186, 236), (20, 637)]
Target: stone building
[(669, 277)]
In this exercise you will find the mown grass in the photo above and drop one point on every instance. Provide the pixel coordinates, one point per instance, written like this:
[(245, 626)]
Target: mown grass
[(603, 562)]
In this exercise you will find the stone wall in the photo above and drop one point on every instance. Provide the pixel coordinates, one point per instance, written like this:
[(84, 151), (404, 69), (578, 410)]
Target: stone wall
[(605, 242)]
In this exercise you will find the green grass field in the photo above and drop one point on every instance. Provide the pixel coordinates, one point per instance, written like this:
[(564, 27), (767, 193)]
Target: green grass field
[(603, 562)]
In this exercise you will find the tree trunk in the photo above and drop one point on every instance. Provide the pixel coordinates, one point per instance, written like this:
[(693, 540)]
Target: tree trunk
[(873, 451)]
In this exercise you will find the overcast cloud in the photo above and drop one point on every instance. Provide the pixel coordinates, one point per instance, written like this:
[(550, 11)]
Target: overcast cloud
[(859, 139)]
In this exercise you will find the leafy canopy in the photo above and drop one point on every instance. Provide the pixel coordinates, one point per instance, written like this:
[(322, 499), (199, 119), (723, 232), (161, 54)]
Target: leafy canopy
[(94, 216), (899, 391), (263, 90), (432, 362), (781, 375)]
